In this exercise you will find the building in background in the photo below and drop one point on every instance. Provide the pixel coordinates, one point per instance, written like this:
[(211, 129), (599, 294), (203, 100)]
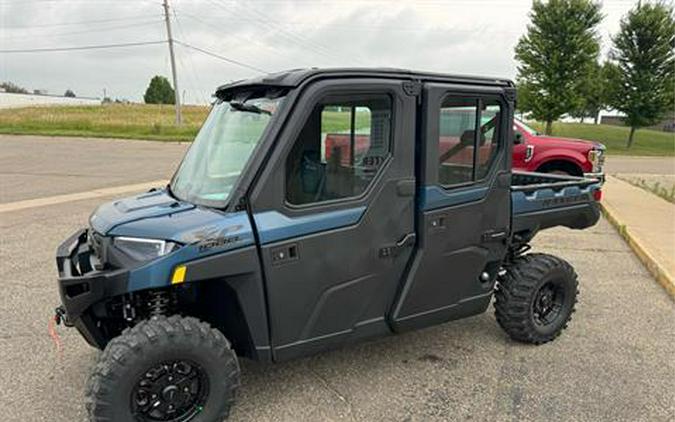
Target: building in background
[(12, 100), (666, 125)]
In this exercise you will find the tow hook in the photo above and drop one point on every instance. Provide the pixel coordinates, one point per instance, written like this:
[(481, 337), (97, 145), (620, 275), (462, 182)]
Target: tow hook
[(61, 316)]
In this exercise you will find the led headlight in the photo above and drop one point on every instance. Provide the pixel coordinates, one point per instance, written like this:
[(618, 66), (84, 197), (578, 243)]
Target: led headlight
[(141, 249)]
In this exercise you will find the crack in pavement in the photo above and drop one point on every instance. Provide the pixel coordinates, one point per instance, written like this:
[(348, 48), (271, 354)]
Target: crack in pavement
[(335, 391)]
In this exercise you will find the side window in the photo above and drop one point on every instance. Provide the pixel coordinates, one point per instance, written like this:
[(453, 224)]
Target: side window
[(340, 149), (455, 142), (468, 141)]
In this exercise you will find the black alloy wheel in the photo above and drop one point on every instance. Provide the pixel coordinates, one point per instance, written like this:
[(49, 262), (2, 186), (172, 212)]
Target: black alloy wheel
[(173, 391)]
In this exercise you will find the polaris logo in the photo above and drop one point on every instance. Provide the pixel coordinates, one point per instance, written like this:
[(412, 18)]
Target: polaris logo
[(563, 200), (208, 244)]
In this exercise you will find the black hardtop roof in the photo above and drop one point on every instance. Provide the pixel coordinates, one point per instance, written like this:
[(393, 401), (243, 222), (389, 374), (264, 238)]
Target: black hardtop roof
[(293, 78)]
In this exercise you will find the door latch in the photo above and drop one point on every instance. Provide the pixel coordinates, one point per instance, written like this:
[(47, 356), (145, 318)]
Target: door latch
[(496, 235), (396, 249)]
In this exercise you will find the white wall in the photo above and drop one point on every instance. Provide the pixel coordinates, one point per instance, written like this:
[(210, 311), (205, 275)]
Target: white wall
[(9, 100)]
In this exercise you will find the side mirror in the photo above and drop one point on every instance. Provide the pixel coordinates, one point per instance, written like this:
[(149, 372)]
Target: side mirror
[(517, 138)]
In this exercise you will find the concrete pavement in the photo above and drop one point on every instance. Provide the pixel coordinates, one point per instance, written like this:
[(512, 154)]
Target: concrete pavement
[(614, 362), (647, 222)]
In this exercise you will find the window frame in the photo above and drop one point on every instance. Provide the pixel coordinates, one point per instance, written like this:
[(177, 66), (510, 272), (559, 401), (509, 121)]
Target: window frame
[(344, 96), (480, 100)]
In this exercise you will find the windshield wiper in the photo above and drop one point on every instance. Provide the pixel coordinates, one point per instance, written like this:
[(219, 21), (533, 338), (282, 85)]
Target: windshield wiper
[(248, 108)]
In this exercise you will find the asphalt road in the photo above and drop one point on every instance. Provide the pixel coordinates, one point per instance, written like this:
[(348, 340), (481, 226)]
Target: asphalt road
[(614, 363), (33, 167), (642, 165)]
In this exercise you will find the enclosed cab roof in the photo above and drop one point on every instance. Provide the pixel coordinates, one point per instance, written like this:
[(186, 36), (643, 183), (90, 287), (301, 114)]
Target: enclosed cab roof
[(295, 77)]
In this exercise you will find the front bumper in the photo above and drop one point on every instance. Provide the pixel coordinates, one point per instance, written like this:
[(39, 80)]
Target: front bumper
[(599, 175), (81, 286)]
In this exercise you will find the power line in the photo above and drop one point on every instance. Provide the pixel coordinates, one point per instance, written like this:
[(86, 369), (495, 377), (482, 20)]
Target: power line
[(84, 47), (87, 31), (134, 44), (97, 21), (191, 70), (271, 26), (218, 56), (232, 34)]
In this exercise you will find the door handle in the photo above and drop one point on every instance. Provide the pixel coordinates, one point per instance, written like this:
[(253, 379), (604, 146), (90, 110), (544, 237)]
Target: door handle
[(496, 235), (394, 250)]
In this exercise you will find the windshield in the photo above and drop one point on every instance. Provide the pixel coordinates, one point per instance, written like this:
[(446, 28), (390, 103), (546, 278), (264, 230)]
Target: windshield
[(223, 146), (526, 128)]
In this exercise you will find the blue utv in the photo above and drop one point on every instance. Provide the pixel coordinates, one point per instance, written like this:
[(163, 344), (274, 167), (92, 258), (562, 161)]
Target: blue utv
[(316, 208)]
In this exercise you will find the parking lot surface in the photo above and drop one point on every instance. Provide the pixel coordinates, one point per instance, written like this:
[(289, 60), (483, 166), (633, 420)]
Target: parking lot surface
[(38, 166), (615, 362)]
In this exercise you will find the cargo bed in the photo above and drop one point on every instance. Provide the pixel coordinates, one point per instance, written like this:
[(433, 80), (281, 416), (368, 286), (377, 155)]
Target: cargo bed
[(540, 201)]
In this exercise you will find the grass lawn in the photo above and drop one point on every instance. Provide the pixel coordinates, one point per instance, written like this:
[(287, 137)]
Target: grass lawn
[(134, 121), (141, 121), (662, 185), (647, 142)]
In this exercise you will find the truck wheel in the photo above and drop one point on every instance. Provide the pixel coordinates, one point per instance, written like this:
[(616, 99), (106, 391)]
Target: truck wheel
[(535, 298), (164, 369)]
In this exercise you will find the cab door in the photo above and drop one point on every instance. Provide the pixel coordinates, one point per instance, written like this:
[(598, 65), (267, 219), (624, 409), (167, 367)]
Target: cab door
[(334, 212), (464, 211)]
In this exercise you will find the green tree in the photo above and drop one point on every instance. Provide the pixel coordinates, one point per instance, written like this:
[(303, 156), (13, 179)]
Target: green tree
[(69, 93), (159, 91), (643, 51), (13, 88), (556, 55), (596, 91)]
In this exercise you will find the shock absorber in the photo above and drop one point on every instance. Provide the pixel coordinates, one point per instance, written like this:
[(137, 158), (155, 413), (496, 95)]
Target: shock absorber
[(159, 303)]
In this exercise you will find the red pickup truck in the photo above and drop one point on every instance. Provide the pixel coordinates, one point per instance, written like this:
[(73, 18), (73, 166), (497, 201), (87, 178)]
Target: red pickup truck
[(532, 151), (548, 154)]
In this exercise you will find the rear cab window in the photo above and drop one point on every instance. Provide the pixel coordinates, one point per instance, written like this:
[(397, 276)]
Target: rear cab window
[(468, 139)]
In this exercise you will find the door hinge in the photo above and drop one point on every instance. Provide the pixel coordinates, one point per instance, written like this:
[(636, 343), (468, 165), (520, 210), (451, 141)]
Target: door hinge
[(242, 204), (412, 88)]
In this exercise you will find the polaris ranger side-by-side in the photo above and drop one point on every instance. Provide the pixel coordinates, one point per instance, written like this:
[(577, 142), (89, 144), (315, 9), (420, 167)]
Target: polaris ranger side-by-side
[(270, 245)]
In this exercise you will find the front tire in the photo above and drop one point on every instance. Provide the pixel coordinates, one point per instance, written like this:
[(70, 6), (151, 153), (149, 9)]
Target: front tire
[(164, 369), (535, 299)]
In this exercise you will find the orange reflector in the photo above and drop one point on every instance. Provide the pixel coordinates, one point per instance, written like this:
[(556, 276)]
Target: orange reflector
[(179, 274)]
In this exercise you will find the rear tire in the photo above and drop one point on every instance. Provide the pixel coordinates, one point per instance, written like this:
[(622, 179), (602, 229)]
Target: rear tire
[(535, 299), (166, 368)]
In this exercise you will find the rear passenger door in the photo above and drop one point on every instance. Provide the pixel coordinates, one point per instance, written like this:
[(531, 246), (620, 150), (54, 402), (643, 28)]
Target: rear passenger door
[(463, 218), (334, 211)]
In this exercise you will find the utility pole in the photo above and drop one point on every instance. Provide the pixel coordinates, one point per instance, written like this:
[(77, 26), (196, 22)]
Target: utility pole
[(179, 118)]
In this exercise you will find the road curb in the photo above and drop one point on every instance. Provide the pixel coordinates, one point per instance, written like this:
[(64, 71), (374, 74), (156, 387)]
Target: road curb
[(663, 277)]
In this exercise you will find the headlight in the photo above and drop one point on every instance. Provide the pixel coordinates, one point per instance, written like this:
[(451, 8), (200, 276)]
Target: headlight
[(141, 249), (597, 156), (593, 156)]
